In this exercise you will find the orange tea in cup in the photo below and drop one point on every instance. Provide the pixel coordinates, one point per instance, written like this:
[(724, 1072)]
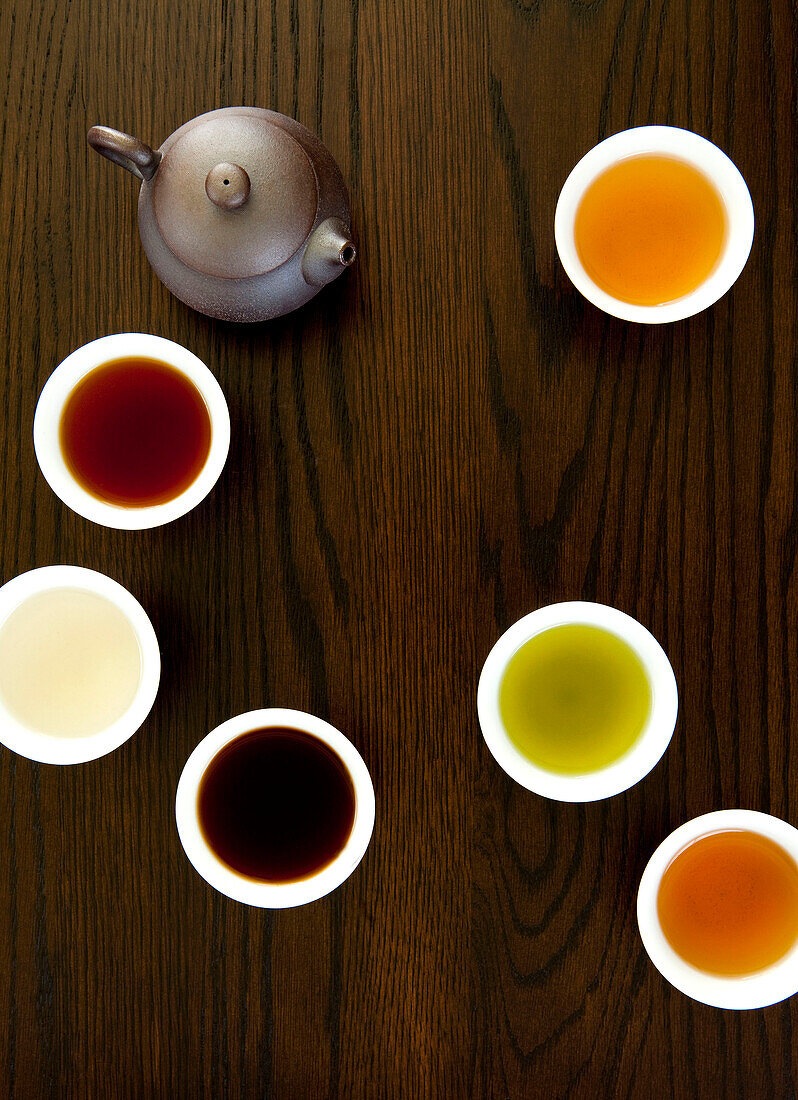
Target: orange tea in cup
[(728, 902), (650, 229)]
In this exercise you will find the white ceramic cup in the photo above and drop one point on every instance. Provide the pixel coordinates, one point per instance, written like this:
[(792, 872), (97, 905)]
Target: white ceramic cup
[(76, 750), (702, 155), (47, 423), (758, 990), (627, 769), (267, 895)]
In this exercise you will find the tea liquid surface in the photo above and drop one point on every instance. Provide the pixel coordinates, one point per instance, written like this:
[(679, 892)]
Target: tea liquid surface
[(135, 432), (650, 229), (70, 663), (728, 902), (574, 698), (276, 805)]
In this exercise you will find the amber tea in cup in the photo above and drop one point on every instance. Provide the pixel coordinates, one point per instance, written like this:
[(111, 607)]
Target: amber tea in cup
[(650, 229), (717, 909), (276, 805), (654, 224), (135, 432), (728, 902)]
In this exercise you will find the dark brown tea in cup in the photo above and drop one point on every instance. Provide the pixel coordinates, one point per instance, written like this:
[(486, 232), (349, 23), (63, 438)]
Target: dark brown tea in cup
[(135, 432), (276, 805)]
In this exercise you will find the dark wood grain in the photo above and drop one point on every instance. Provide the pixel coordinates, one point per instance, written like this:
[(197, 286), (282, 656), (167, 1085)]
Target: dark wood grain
[(444, 440)]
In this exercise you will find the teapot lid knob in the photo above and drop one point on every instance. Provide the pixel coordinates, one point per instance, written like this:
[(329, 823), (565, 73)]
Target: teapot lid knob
[(227, 186)]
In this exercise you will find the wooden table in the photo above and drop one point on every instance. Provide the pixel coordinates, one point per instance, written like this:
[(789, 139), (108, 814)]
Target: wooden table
[(444, 440)]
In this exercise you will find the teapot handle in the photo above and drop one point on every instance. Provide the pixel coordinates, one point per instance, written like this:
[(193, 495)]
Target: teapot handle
[(123, 149)]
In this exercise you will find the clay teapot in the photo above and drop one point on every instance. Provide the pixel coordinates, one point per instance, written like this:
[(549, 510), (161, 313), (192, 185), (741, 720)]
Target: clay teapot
[(243, 213)]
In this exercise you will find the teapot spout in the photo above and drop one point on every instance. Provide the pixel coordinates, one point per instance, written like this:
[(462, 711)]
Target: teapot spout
[(123, 149), (330, 250)]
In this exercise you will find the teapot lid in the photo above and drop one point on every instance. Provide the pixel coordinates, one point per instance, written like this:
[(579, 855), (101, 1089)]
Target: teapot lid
[(235, 195)]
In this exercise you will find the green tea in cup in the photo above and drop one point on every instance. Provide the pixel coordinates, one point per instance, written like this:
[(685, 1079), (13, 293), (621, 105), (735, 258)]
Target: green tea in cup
[(574, 698), (577, 701)]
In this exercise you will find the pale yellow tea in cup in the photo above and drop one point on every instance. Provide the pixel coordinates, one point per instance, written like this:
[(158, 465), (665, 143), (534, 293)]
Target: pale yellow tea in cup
[(574, 698), (70, 663)]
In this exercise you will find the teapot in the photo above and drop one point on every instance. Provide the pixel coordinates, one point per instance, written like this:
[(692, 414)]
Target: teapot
[(243, 212)]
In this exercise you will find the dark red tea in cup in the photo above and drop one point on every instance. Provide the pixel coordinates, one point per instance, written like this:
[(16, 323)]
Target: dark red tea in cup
[(135, 432), (276, 805)]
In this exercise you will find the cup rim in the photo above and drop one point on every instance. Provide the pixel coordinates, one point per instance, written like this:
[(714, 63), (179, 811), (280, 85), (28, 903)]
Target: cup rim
[(758, 990), (644, 753), (60, 385), (713, 163), (267, 895), (46, 748)]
